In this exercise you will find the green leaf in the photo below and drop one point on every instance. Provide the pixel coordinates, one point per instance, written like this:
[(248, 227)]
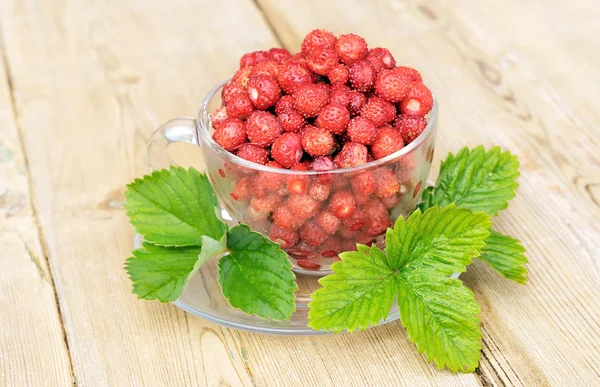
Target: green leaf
[(256, 276), (505, 255), (445, 240), (475, 179), (441, 317), (174, 207), (161, 272), (360, 293)]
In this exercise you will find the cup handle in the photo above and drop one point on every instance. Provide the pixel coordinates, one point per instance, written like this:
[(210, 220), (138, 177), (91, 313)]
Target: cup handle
[(182, 129)]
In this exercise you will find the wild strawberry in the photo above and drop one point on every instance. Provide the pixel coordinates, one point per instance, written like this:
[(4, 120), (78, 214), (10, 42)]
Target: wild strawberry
[(362, 199), (231, 91), (310, 99), (385, 55), (262, 128), (342, 204), (338, 74), (269, 68), (287, 149), (317, 39), (339, 182), (333, 117), (298, 184), (340, 94), (303, 206), (356, 221), (379, 111), (378, 220), (388, 141), (242, 76), (291, 120), (418, 102), (362, 130), (271, 180), (364, 238), (284, 237), (409, 74), (364, 183), (312, 234), (297, 58), (321, 60), (362, 76), (356, 102), (376, 62), (331, 247), (307, 263), (319, 191), (261, 207), (317, 141), (323, 164), (410, 127), (257, 189), (253, 153), (263, 91), (328, 221), (231, 134), (239, 107), (285, 218), (351, 155), (284, 104), (252, 58), (351, 48), (279, 54), (241, 191), (387, 184), (390, 86), (293, 75), (348, 245), (347, 234), (218, 117), (390, 202)]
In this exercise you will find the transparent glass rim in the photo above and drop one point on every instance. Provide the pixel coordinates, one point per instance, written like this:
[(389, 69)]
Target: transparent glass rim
[(202, 133)]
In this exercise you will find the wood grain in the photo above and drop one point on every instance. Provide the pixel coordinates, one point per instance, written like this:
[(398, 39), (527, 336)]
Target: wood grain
[(32, 346)]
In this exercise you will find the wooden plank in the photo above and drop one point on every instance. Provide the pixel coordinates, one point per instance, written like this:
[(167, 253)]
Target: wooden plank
[(547, 332), (32, 347)]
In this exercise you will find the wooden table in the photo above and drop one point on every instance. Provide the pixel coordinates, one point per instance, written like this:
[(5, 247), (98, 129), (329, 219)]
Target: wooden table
[(84, 83)]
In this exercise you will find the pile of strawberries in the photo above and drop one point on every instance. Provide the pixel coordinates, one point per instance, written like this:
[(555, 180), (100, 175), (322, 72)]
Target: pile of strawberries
[(336, 104)]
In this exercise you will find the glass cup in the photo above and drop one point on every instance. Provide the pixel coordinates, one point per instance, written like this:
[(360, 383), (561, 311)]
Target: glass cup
[(313, 215)]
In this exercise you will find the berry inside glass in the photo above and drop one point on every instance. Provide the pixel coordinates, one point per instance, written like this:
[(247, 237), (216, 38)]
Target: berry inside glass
[(320, 150)]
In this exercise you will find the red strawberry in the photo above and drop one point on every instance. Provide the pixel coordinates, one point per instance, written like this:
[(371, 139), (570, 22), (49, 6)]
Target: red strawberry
[(241, 191), (378, 220), (298, 184), (323, 164), (319, 191), (387, 184), (362, 199), (363, 183), (270, 180), (409, 74), (391, 202), (269, 68), (351, 48), (253, 153), (317, 39), (261, 207), (328, 221), (418, 102), (279, 54), (341, 94), (263, 91), (262, 128), (356, 221), (231, 134), (356, 102), (303, 206), (376, 62), (285, 218), (310, 99), (284, 104), (410, 127), (331, 247), (231, 91), (379, 111), (385, 55), (322, 60), (362, 130), (284, 237), (252, 58), (390, 86), (362, 76), (333, 117), (293, 75), (242, 76), (287, 149), (351, 155), (342, 204), (308, 264), (218, 117), (388, 141), (347, 234), (291, 120), (239, 107), (317, 141), (312, 234), (338, 74), (339, 182)]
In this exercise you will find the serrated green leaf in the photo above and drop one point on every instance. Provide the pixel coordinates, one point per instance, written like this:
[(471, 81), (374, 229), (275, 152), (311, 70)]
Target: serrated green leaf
[(475, 179), (256, 276), (505, 255), (359, 294), (174, 207), (441, 317), (161, 272), (445, 240)]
